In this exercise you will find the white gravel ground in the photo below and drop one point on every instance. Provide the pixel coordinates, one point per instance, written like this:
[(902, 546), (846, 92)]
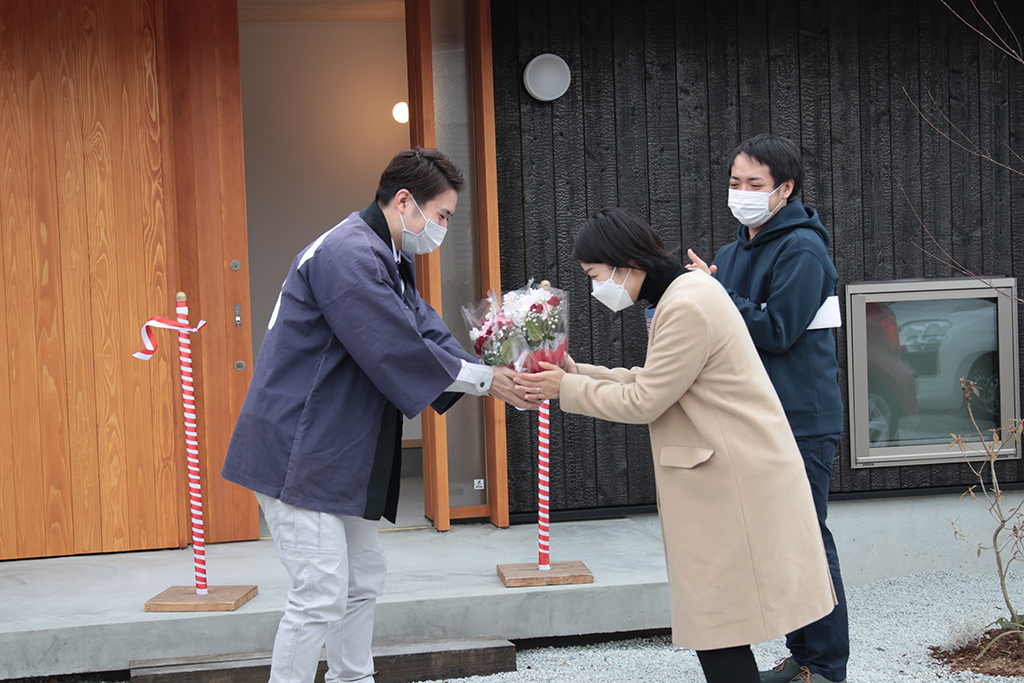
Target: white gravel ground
[(892, 623)]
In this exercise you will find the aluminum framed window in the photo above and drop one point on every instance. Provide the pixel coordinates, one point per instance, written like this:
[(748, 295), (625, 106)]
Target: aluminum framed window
[(908, 344)]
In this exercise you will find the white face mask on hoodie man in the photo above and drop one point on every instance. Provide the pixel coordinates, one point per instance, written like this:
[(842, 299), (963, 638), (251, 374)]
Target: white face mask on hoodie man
[(751, 208)]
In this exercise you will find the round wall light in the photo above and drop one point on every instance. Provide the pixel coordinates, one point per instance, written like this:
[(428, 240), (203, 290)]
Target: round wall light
[(401, 112), (547, 77)]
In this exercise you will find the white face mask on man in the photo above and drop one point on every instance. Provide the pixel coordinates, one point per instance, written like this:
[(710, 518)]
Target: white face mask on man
[(611, 293), (750, 208), (425, 241)]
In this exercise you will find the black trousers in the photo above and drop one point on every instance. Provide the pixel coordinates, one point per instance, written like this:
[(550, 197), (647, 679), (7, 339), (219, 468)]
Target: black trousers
[(729, 665)]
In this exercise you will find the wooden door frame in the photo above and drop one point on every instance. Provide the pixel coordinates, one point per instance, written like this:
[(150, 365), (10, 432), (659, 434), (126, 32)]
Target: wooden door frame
[(421, 124)]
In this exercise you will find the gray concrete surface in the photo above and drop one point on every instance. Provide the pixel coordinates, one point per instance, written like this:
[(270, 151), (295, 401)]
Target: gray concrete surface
[(77, 614), (81, 614)]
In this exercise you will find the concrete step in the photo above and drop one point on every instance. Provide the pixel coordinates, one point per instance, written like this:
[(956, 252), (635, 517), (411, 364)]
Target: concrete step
[(395, 663)]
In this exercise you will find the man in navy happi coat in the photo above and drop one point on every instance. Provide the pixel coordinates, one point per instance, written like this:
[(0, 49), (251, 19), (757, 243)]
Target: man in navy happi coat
[(350, 348)]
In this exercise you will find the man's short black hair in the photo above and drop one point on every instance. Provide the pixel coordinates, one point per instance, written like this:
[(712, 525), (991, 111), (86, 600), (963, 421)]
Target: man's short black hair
[(781, 156), (622, 240), (425, 173)]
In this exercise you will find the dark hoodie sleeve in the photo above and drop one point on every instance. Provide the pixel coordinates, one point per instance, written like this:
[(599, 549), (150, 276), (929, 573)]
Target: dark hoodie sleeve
[(800, 283)]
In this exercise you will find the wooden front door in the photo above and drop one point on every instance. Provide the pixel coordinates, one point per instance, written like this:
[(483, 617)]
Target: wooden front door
[(104, 216)]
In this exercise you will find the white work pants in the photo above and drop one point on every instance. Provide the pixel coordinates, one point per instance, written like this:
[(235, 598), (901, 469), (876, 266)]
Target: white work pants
[(337, 568)]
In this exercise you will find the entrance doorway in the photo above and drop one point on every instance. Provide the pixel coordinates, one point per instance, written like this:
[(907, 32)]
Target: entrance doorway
[(317, 100)]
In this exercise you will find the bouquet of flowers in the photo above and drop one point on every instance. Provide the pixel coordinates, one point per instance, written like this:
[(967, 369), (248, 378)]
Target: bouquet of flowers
[(521, 329)]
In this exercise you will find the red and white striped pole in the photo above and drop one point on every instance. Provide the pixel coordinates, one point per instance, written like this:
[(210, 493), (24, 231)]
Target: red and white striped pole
[(543, 485), (195, 494), (195, 491)]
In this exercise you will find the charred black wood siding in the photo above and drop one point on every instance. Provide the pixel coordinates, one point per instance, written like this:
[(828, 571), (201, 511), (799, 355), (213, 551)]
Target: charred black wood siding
[(661, 93)]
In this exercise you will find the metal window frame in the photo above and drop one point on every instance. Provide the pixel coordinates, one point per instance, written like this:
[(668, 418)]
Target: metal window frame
[(1004, 289)]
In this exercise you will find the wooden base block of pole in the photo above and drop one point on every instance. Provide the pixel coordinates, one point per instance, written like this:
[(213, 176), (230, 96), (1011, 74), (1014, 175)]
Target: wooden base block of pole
[(184, 599), (561, 573)]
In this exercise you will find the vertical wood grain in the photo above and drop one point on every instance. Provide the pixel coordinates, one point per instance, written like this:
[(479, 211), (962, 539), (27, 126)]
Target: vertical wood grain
[(184, 204), (198, 185), (10, 218), (20, 286), (49, 329), (89, 453), (100, 121), (164, 449), (220, 206), (209, 347), (69, 75), (238, 503), (172, 468), (202, 63), (132, 277)]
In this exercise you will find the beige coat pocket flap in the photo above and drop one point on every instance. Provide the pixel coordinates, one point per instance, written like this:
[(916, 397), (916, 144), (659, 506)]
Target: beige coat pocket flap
[(684, 456)]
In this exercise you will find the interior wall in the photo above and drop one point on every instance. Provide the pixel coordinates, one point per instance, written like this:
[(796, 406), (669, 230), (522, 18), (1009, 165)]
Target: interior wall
[(316, 106)]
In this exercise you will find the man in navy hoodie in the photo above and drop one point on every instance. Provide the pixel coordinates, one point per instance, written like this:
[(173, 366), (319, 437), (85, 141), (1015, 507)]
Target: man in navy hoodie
[(779, 274)]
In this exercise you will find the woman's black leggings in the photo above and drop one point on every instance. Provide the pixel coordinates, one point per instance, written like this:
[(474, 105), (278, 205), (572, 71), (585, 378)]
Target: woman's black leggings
[(729, 665)]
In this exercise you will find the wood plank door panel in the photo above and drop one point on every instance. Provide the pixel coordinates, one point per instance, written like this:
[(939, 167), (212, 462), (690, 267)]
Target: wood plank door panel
[(205, 82), (94, 240)]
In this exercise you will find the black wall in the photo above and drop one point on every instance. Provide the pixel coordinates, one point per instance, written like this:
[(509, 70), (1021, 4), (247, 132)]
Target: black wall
[(661, 93)]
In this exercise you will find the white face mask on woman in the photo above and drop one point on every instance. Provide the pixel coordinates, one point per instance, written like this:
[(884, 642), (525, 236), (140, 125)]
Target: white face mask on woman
[(425, 241), (750, 208), (611, 293)]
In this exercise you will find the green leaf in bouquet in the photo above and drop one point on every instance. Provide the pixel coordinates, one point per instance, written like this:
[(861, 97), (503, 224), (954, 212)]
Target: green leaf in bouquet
[(535, 330), (507, 351)]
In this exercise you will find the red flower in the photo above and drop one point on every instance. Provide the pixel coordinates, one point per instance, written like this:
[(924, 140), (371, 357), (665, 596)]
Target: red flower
[(554, 301), (478, 346), (537, 308)]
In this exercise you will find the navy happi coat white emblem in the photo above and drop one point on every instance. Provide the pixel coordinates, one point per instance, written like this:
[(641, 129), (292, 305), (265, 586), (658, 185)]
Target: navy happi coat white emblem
[(350, 347)]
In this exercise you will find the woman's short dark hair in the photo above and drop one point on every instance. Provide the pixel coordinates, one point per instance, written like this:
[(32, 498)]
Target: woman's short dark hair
[(781, 156), (622, 240), (426, 173)]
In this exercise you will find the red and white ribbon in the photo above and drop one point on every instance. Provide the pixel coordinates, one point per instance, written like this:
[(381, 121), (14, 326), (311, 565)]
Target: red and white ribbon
[(543, 485), (149, 339), (191, 429)]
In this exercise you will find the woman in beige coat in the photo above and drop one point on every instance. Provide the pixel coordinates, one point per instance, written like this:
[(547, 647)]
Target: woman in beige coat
[(742, 546)]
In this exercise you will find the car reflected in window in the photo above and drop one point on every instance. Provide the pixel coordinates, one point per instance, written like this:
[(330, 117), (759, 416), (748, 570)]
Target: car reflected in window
[(892, 385)]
